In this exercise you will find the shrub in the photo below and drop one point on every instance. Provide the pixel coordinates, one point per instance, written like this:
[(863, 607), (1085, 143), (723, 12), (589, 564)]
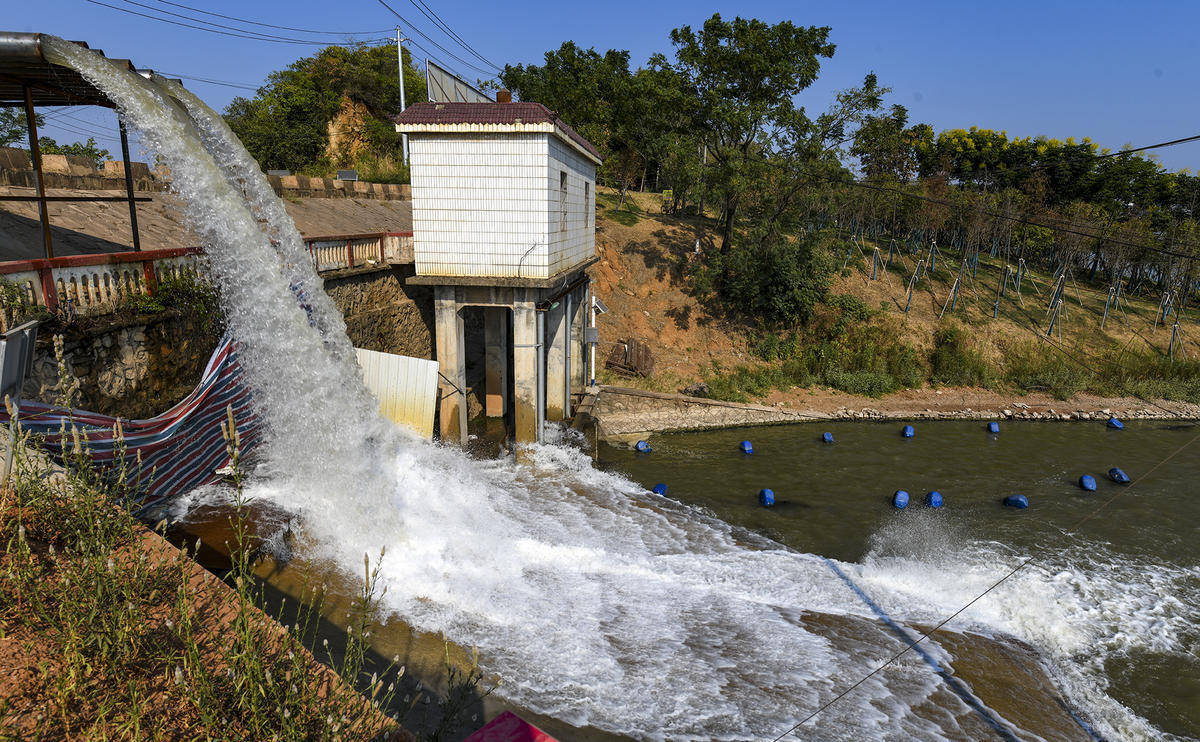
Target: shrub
[(1035, 367), (955, 362), (778, 282), (865, 383)]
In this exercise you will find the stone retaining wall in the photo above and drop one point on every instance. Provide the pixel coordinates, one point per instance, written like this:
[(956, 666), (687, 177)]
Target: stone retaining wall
[(382, 312), (136, 367)]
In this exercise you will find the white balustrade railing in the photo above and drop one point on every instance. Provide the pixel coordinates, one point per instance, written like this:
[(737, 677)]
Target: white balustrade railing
[(94, 284)]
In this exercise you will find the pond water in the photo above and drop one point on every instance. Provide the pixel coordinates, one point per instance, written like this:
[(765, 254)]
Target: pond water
[(1115, 604)]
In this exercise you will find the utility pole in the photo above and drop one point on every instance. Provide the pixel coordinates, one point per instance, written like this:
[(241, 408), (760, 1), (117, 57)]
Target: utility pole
[(400, 63)]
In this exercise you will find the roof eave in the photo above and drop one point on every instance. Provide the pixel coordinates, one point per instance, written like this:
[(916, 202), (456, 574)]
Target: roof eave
[(540, 127)]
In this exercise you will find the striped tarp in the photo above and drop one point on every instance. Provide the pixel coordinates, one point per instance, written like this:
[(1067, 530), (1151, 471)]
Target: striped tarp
[(180, 449)]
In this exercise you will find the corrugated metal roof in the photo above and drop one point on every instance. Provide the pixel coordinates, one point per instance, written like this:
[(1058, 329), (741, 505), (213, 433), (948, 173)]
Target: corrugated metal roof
[(22, 64), (521, 113)]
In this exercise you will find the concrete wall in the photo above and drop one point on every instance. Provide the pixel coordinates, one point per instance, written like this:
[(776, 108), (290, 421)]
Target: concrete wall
[(66, 171), (135, 368), (577, 242), (491, 205)]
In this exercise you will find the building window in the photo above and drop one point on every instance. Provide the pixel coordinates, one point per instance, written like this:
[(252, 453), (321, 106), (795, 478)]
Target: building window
[(562, 201), (587, 204)]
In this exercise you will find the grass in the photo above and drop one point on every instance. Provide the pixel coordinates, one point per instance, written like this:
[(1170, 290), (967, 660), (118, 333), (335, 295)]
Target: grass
[(119, 636)]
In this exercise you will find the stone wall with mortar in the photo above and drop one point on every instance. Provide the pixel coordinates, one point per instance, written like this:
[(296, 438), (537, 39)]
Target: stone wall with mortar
[(382, 312), (134, 367)]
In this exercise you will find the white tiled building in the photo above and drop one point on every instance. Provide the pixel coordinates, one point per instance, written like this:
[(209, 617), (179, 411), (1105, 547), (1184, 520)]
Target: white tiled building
[(503, 219)]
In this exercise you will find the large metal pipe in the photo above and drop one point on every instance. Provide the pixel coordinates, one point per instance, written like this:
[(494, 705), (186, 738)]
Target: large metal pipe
[(20, 45)]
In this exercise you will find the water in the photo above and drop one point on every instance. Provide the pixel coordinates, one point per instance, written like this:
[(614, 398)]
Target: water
[(595, 601), (1116, 605)]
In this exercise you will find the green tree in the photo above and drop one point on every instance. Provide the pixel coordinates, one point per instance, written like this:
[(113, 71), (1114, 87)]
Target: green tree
[(286, 124), (884, 147), (581, 85), (12, 126), (742, 77)]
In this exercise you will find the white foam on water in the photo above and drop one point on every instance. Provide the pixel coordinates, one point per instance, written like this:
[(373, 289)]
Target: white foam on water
[(1079, 604), (594, 601)]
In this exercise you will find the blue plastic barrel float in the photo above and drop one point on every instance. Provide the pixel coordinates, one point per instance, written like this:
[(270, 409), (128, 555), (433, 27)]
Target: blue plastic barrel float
[(1118, 476), (1115, 424), (908, 431), (1016, 501), (766, 498), (1088, 482), (993, 427), (933, 499), (660, 489), (827, 437), (900, 499), (642, 447), (746, 447)]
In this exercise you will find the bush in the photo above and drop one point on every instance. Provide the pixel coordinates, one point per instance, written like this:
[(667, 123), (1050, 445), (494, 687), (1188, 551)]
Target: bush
[(778, 282), (865, 383), (955, 362), (1035, 367)]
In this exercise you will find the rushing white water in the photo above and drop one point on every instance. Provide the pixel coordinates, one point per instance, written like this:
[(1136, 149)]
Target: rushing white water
[(594, 601)]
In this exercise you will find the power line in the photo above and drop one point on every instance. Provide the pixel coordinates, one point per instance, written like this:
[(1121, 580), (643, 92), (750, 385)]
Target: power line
[(437, 20), (1171, 143), (422, 34), (210, 81), (1017, 219), (270, 25), (246, 35)]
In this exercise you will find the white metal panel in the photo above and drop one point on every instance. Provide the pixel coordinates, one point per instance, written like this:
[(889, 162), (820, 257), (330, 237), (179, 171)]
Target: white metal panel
[(405, 387)]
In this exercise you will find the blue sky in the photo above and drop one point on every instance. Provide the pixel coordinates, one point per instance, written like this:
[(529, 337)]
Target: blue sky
[(1119, 72)]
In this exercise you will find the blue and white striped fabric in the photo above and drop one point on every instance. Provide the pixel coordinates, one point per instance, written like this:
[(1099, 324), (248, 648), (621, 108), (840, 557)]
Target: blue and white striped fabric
[(180, 449)]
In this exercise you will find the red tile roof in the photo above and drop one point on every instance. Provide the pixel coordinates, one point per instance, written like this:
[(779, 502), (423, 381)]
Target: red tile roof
[(490, 113)]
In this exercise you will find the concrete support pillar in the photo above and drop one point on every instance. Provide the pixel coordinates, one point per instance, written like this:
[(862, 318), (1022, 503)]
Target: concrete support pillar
[(526, 413), (495, 334), (451, 358), (557, 334)]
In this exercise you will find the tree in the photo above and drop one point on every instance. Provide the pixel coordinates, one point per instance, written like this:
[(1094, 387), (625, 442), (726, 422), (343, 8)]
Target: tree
[(12, 126), (742, 77), (581, 85), (286, 124), (87, 149), (884, 147)]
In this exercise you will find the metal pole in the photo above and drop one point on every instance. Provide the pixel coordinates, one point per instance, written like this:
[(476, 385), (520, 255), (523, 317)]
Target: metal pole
[(400, 64), (592, 346), (35, 152), (567, 357), (541, 375), (133, 225)]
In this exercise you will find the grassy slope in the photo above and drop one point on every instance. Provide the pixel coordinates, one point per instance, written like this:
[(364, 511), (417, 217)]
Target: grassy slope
[(645, 278)]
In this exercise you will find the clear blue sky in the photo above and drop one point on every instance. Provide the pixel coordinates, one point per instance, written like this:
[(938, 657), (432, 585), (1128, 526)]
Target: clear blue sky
[(1119, 72)]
